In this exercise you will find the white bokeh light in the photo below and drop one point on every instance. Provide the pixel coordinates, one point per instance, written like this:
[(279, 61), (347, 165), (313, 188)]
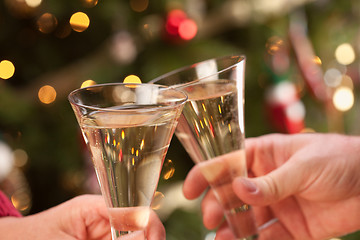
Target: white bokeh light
[(343, 99)]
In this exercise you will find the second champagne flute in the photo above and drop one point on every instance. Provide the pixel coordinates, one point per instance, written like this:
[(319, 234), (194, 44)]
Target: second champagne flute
[(211, 129)]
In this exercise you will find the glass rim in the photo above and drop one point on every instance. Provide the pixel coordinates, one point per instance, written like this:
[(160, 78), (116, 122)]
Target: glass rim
[(177, 102), (241, 58)]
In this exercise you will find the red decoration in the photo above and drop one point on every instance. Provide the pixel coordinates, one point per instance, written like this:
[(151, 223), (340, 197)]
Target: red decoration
[(179, 27), (285, 110)]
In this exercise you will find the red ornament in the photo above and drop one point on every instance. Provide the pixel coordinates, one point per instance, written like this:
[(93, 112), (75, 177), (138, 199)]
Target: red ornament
[(179, 27), (285, 109)]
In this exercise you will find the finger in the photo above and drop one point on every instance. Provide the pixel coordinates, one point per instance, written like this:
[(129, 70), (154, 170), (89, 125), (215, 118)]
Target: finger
[(274, 230), (270, 188), (129, 218), (195, 183), (224, 233), (156, 230), (262, 214), (212, 211)]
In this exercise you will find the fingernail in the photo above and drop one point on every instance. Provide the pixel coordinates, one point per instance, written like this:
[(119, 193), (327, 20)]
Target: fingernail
[(249, 185)]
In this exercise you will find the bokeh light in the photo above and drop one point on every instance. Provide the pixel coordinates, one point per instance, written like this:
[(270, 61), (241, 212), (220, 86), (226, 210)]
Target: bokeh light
[(343, 99), (158, 200), (79, 22), (63, 30), (47, 23), (274, 44), (152, 26), (332, 77), (20, 157), (123, 47), (174, 19), (21, 200), (33, 3), (168, 169), (139, 5), (317, 60), (88, 83), (7, 69), (345, 54), (347, 82), (296, 111), (132, 79), (90, 3), (47, 94), (188, 29)]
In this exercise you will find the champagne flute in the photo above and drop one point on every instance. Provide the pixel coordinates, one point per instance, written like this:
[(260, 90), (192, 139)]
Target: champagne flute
[(127, 128), (211, 129)]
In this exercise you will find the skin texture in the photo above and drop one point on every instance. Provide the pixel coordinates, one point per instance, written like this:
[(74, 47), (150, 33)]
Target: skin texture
[(83, 217), (309, 182)]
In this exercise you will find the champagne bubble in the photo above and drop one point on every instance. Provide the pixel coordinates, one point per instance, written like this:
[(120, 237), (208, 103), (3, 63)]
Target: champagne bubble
[(169, 169)]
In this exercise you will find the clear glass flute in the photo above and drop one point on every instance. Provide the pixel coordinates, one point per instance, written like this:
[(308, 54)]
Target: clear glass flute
[(211, 129), (127, 128)]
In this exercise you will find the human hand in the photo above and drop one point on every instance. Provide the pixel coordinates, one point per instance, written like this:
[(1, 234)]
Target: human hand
[(308, 182), (84, 217)]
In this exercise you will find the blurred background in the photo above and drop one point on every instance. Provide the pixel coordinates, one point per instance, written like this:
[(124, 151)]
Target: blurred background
[(302, 75)]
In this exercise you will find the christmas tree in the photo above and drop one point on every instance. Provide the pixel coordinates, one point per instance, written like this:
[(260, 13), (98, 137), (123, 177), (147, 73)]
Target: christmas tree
[(302, 75)]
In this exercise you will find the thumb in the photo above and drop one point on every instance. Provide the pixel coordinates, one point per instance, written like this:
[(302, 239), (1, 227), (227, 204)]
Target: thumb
[(270, 188)]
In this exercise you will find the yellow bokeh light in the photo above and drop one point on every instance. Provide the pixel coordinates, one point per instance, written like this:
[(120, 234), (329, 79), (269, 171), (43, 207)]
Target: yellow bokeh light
[(88, 83), (47, 94), (47, 23), (79, 22), (343, 99), (7, 69), (345, 54), (139, 5), (132, 79)]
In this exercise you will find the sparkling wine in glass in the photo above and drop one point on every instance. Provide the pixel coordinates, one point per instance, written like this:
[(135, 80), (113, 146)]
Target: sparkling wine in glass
[(211, 129), (127, 128)]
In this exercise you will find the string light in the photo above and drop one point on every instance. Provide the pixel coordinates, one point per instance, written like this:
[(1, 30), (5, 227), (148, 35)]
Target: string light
[(88, 83), (47, 94), (345, 54), (33, 3), (188, 29), (47, 23), (20, 157), (332, 77), (123, 48), (90, 3), (132, 79), (79, 22), (7, 69), (169, 169), (273, 44), (63, 30), (152, 26), (343, 99), (139, 5), (347, 82), (175, 17), (179, 25)]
